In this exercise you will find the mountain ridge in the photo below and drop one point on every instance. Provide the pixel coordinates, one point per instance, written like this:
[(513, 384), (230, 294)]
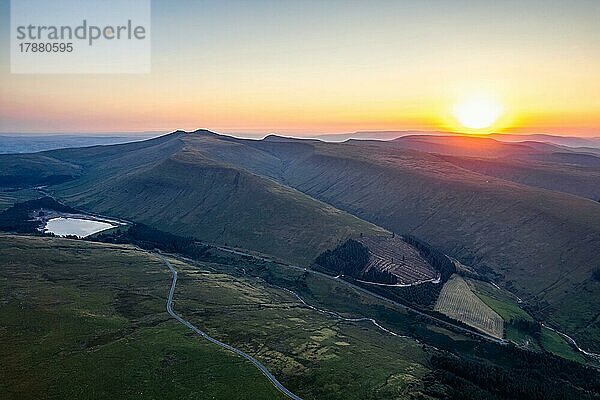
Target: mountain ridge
[(293, 198)]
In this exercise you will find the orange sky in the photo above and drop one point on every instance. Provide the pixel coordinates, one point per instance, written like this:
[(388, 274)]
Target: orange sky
[(321, 68)]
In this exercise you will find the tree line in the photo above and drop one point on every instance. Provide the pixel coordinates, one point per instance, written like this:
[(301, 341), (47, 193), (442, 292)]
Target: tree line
[(436, 258), (523, 375), (350, 259), (150, 238), (18, 218), (531, 327)]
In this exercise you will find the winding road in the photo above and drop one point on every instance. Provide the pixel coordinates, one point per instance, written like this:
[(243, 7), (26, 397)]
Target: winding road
[(333, 314), (568, 338), (573, 342), (338, 316), (239, 352), (435, 281), (377, 296)]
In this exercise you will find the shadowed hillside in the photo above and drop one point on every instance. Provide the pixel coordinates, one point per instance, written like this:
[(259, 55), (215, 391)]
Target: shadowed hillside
[(28, 170), (541, 244), (536, 164), (176, 186), (462, 146), (580, 180)]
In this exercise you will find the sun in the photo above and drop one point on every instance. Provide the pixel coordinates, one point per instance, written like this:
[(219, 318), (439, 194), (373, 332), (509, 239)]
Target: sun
[(478, 112)]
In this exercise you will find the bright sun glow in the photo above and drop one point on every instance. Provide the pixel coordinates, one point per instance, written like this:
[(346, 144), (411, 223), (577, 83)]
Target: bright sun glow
[(478, 112)]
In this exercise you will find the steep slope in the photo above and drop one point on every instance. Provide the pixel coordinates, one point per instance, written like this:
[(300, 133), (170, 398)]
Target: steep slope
[(462, 146), (540, 243), (477, 146), (532, 163), (580, 180), (176, 186), (27, 170)]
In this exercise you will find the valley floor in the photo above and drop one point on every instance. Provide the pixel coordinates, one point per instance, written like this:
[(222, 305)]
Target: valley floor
[(89, 321), (86, 320)]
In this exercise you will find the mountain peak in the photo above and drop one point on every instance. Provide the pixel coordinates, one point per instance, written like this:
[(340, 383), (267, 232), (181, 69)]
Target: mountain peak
[(196, 132), (274, 137), (204, 132)]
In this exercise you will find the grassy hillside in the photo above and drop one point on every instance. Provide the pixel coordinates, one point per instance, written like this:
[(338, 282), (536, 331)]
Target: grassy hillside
[(579, 180), (319, 355), (27, 170), (539, 243), (506, 305), (10, 197), (88, 321), (185, 191), (96, 327), (535, 164), (459, 302), (458, 145)]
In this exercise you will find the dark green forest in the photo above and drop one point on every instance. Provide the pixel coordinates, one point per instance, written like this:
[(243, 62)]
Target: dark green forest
[(18, 219)]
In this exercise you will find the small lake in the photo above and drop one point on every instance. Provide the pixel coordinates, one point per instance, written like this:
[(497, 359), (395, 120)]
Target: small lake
[(63, 226)]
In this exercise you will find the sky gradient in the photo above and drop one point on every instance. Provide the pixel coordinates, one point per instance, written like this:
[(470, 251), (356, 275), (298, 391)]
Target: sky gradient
[(297, 67)]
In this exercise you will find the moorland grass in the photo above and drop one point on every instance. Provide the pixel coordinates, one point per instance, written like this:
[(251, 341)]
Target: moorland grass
[(88, 321)]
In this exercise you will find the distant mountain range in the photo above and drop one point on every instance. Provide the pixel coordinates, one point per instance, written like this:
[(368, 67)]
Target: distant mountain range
[(31, 143), (593, 142)]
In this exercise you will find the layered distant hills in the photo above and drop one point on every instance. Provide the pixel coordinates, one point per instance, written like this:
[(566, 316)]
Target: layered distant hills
[(524, 214), (28, 143), (571, 141)]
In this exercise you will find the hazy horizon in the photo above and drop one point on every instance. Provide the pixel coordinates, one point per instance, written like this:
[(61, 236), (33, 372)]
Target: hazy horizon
[(316, 68), (258, 134)]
